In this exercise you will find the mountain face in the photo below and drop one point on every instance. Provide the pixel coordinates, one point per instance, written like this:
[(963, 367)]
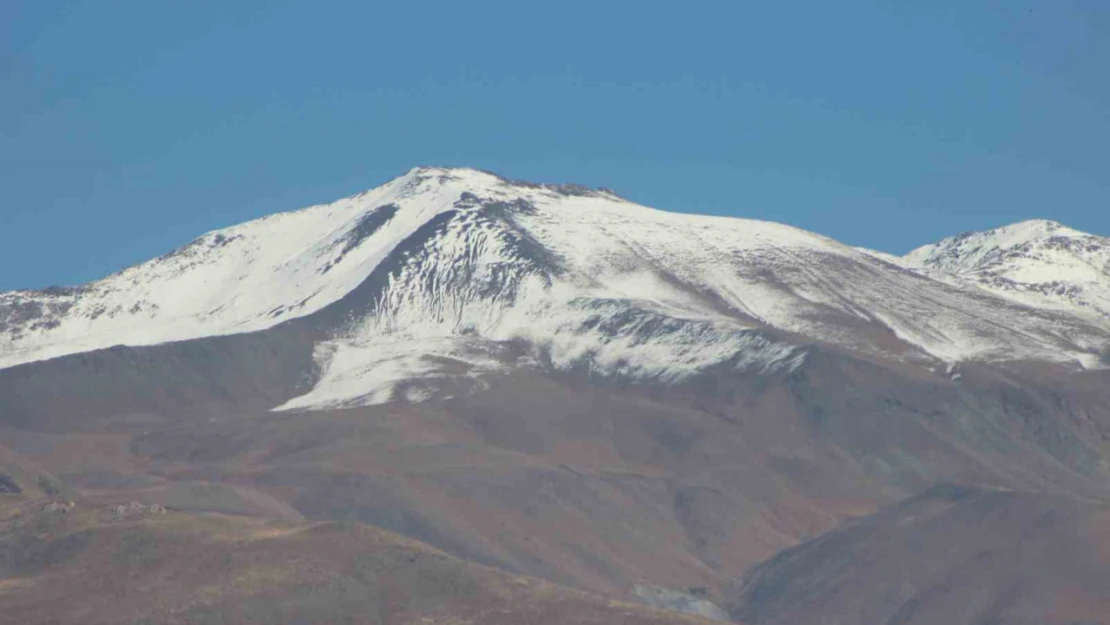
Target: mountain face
[(444, 275), (463, 397), (919, 544), (1038, 263)]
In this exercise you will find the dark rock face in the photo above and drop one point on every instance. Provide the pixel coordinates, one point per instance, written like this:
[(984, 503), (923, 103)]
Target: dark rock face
[(19, 315)]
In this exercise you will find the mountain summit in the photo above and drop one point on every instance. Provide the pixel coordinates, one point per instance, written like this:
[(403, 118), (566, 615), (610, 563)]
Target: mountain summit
[(1039, 263), (442, 275)]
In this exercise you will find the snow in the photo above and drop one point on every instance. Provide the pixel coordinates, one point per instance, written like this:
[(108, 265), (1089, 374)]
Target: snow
[(1036, 263), (369, 373), (657, 296), (582, 280), (239, 279)]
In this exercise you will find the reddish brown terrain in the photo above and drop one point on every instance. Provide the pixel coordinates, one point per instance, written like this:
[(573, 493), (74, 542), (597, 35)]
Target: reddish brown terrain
[(777, 498), (67, 563)]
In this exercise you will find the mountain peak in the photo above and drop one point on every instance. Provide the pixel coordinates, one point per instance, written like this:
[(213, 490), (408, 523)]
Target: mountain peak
[(448, 173), (1030, 230), (1039, 262), (449, 264), (1033, 225), (973, 250)]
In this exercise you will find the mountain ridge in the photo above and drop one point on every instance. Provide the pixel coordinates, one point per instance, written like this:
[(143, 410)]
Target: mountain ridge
[(439, 273), (1037, 262)]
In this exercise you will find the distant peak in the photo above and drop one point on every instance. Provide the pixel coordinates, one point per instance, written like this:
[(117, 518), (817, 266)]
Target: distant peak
[(1024, 232), (1010, 234), (976, 250), (1033, 227)]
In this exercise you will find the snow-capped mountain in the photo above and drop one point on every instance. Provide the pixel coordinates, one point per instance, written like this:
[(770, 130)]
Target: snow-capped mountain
[(434, 278), (1039, 263), (240, 279)]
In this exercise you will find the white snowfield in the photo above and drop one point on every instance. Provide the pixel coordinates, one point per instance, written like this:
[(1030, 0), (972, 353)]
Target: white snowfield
[(471, 267), (1039, 263)]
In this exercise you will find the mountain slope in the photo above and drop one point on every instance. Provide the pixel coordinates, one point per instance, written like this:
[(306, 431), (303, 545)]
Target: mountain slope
[(239, 279), (602, 487), (953, 554), (556, 383), (423, 286), (166, 567)]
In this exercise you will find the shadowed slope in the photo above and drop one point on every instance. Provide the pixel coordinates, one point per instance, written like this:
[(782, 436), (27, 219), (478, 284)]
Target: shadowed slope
[(954, 555)]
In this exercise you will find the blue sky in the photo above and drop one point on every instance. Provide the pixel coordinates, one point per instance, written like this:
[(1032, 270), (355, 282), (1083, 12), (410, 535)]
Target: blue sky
[(127, 128)]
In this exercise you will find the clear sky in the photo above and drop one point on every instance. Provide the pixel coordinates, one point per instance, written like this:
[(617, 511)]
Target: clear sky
[(127, 128)]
